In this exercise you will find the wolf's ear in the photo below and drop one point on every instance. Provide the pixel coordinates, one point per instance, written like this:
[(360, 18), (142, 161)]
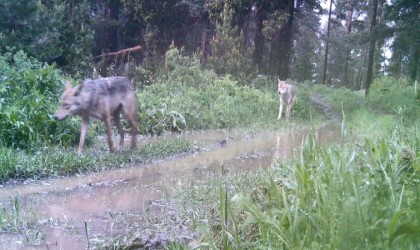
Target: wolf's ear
[(67, 86), (77, 90)]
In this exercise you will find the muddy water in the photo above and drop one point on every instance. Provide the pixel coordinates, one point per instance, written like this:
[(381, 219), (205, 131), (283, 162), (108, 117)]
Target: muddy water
[(66, 206)]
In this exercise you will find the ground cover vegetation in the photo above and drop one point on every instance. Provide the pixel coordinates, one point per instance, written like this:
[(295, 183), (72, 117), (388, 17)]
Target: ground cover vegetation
[(34, 145), (213, 64), (183, 97), (361, 192)]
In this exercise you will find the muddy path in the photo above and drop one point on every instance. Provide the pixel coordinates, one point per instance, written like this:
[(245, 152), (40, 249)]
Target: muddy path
[(319, 103), (85, 210), (128, 205)]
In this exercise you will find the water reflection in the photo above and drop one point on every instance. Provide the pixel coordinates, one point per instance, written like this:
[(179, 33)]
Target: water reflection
[(94, 198)]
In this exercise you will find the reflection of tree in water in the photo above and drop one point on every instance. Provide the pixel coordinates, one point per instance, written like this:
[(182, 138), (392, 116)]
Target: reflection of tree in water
[(288, 144)]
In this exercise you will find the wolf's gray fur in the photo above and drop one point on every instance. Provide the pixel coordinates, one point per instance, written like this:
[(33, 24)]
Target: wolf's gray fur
[(104, 98), (287, 94)]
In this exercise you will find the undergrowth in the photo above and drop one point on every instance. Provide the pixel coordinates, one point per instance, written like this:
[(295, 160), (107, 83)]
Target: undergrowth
[(187, 97), (361, 193), (183, 97), (29, 91), (58, 161)]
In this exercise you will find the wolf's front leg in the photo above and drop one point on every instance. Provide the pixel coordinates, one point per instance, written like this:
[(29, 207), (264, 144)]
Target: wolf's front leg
[(280, 109), (84, 128), (288, 110)]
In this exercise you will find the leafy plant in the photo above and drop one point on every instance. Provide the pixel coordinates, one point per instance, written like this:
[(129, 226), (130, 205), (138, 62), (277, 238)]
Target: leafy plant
[(228, 55), (360, 193), (28, 98), (388, 94)]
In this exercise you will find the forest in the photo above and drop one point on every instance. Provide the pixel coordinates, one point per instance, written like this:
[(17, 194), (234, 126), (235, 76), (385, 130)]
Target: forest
[(340, 43), (214, 166)]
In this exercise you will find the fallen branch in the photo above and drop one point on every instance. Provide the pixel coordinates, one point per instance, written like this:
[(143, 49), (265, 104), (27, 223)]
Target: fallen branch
[(122, 52)]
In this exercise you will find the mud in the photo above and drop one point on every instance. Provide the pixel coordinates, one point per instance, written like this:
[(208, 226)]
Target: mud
[(88, 210), (319, 103)]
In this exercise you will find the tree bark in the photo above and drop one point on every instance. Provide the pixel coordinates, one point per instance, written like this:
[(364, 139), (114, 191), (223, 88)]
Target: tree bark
[(113, 10), (349, 22), (286, 43), (203, 54), (372, 41), (122, 52), (414, 62), (282, 45), (259, 37), (327, 44)]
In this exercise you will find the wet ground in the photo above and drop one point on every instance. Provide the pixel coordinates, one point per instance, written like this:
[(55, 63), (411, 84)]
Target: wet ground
[(87, 210)]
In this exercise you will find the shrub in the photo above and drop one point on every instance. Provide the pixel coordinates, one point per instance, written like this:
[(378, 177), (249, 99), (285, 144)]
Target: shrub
[(184, 70), (388, 94), (219, 104), (28, 97), (228, 56)]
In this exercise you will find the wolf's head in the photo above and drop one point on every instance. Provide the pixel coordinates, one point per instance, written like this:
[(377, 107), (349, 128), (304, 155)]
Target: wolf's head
[(69, 102), (282, 86)]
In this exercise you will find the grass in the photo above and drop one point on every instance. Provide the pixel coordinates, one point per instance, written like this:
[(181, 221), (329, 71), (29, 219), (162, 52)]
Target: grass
[(361, 193), (221, 103), (336, 197), (18, 222), (57, 161)]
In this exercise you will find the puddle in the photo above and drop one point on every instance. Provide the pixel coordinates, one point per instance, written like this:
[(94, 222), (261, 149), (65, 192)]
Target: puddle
[(67, 205)]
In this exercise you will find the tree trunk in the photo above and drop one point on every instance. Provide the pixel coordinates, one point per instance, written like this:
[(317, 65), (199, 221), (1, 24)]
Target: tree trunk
[(349, 22), (414, 62), (359, 80), (259, 37), (281, 50), (327, 43), (113, 9), (372, 40), (203, 48)]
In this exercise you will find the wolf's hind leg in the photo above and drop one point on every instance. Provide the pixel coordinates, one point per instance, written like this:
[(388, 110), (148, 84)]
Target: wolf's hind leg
[(130, 111), (120, 129), (132, 120), (107, 121)]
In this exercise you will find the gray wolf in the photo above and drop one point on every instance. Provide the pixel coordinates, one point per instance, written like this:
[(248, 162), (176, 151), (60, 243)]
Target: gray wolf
[(105, 99), (287, 94)]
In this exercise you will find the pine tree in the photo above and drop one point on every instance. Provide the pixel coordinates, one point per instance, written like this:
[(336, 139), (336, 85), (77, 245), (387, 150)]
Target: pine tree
[(227, 54)]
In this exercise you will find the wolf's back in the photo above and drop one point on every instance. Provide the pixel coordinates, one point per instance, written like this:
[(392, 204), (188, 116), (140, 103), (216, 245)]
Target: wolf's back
[(116, 85)]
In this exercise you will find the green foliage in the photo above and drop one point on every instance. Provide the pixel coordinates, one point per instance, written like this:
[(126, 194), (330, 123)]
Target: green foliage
[(389, 94), (228, 56), (344, 196), (28, 97), (56, 161), (361, 193), (188, 97), (221, 104), (51, 31), (185, 70)]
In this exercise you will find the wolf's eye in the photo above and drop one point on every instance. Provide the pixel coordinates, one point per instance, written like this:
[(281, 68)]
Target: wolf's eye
[(66, 106)]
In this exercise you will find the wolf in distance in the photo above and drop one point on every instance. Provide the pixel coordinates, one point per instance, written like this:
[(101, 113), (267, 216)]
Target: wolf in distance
[(287, 94), (105, 99)]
